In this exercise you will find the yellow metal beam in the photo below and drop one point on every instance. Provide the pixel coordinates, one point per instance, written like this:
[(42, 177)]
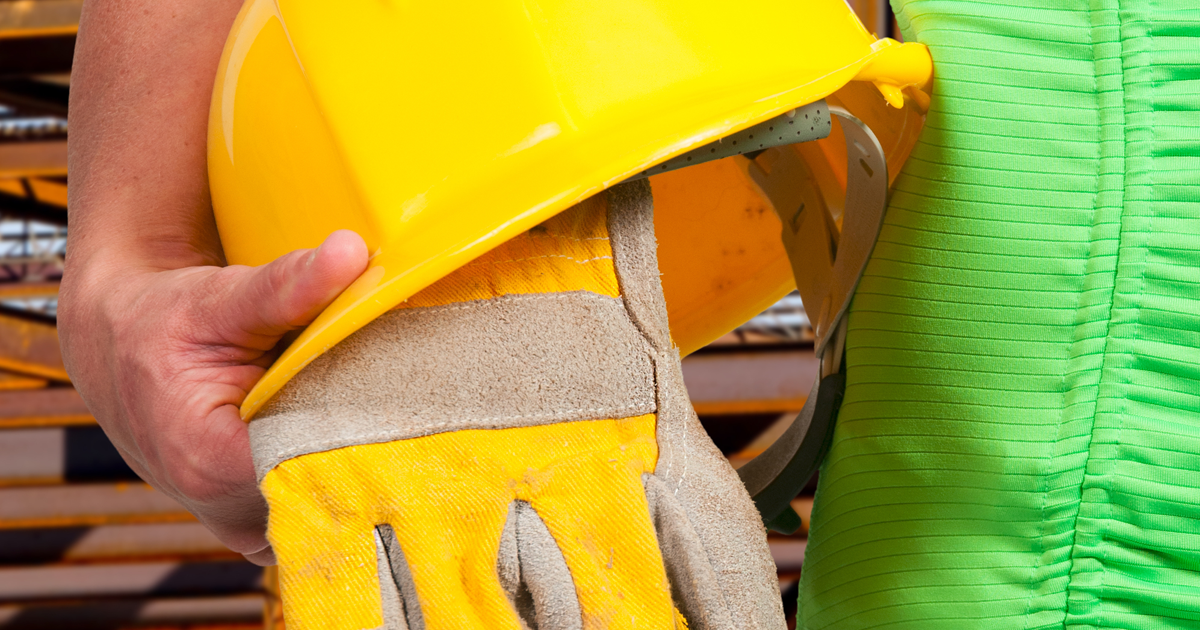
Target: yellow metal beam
[(49, 191)]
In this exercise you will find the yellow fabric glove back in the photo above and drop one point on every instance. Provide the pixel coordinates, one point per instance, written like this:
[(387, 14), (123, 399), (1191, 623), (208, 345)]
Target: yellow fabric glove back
[(513, 448)]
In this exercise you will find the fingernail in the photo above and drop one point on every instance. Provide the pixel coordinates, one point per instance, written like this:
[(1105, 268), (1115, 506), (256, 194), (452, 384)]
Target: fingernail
[(313, 255)]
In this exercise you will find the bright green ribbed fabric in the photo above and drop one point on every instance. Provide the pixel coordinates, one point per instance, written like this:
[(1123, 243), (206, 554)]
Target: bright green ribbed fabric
[(1019, 446)]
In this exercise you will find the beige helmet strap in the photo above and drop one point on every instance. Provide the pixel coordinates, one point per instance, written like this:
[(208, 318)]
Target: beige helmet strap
[(866, 201), (828, 264), (826, 260)]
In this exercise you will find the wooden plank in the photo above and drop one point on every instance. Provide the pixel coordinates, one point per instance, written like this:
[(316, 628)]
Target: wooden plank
[(750, 382), (54, 406), (236, 612), (32, 456), (12, 380), (52, 455), (111, 543), (33, 18), (788, 554), (87, 504), (10, 290), (127, 579), (32, 159)]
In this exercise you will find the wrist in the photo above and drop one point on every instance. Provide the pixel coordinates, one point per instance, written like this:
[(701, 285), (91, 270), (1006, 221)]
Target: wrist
[(99, 283)]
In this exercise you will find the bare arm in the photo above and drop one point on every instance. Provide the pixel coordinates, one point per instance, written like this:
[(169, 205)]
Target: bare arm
[(141, 85), (162, 342)]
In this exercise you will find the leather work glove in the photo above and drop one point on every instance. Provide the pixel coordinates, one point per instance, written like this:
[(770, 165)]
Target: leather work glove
[(514, 448)]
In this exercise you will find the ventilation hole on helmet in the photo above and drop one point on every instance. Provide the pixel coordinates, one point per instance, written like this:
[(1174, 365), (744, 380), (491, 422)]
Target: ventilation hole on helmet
[(770, 129), (689, 158), (791, 122), (713, 151)]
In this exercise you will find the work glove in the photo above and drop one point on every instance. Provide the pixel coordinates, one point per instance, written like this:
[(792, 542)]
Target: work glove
[(511, 448)]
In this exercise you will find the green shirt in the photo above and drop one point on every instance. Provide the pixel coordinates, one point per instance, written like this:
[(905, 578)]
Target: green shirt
[(1019, 446)]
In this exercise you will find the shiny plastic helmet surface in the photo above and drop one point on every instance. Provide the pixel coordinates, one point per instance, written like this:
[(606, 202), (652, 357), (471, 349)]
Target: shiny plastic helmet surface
[(438, 133)]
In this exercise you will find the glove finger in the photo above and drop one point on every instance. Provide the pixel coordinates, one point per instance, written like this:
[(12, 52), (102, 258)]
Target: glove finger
[(596, 512), (718, 509), (534, 573), (325, 573), (694, 584), (442, 559), (325, 547), (400, 608)]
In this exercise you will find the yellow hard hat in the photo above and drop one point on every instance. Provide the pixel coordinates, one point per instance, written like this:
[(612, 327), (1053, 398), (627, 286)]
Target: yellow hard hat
[(438, 131)]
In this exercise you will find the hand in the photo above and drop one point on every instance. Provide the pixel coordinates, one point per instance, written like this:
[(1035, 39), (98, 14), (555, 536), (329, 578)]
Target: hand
[(163, 359)]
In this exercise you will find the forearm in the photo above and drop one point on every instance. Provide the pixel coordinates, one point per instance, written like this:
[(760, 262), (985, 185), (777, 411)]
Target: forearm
[(141, 86), (160, 339)]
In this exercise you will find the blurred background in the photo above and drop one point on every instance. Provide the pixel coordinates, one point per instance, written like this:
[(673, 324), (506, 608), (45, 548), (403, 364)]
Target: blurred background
[(84, 543)]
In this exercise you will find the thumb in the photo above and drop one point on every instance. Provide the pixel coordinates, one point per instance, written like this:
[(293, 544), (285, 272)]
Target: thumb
[(265, 302)]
